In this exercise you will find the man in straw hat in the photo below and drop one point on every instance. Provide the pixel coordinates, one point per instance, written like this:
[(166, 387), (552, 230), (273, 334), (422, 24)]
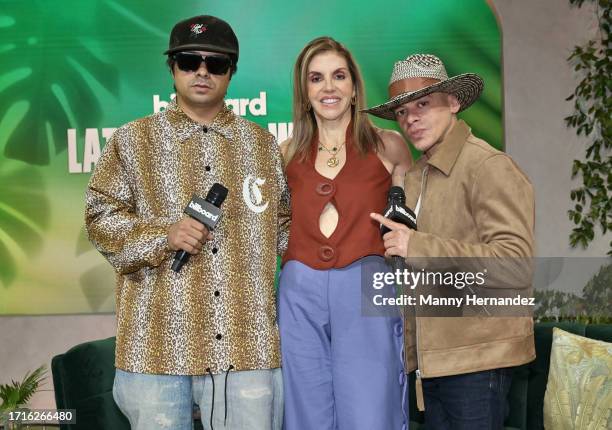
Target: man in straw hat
[(471, 200)]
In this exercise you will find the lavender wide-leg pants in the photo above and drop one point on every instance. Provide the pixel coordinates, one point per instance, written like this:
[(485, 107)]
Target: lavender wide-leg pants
[(341, 370)]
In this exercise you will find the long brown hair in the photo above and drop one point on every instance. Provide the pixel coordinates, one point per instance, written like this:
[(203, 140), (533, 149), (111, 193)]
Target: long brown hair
[(364, 133)]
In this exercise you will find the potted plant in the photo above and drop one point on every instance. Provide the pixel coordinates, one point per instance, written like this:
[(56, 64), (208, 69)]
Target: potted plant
[(15, 396)]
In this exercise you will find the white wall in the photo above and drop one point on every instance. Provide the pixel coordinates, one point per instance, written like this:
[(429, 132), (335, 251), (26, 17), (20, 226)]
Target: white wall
[(537, 38), (28, 342)]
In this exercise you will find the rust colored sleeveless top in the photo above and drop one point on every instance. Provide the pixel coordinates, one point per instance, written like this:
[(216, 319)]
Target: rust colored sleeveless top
[(359, 188)]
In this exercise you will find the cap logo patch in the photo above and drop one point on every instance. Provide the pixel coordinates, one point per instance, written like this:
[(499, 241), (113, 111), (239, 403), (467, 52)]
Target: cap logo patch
[(198, 28)]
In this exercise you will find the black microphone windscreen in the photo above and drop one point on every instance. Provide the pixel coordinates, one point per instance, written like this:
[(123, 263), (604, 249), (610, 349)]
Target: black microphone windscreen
[(396, 194), (217, 194)]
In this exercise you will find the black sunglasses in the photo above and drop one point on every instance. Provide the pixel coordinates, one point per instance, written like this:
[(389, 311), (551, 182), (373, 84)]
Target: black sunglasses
[(215, 64)]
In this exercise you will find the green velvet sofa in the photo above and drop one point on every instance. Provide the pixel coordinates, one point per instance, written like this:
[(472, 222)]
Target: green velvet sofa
[(83, 379)]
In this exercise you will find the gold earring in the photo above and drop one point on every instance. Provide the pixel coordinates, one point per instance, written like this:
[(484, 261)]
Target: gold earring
[(308, 106), (353, 100)]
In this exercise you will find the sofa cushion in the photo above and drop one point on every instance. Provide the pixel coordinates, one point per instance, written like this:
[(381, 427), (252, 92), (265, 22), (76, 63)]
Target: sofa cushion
[(538, 369), (579, 390)]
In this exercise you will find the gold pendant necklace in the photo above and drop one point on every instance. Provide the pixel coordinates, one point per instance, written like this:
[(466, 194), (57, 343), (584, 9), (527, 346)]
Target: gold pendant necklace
[(333, 160)]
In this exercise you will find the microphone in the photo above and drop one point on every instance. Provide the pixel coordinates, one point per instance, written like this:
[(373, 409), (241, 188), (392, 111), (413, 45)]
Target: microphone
[(398, 212), (206, 211)]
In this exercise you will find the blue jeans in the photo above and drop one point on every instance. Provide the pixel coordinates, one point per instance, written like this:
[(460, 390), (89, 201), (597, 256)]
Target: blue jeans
[(472, 401), (151, 402)]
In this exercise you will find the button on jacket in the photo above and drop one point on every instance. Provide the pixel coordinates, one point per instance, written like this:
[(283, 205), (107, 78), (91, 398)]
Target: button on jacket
[(220, 309), (475, 202)]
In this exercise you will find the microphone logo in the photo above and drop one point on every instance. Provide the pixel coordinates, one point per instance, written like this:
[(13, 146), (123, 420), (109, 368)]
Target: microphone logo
[(199, 209), (252, 194), (398, 209), (401, 210)]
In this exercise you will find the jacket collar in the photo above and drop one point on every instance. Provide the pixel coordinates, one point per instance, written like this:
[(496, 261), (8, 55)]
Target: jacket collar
[(446, 154), (184, 126)]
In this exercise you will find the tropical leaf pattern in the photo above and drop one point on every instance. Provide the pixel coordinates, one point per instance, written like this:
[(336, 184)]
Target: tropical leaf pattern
[(24, 215), (96, 282), (48, 67), (579, 390), (97, 63)]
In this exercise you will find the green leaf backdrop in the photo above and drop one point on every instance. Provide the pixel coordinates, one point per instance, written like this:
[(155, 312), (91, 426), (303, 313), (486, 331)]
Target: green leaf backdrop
[(73, 64)]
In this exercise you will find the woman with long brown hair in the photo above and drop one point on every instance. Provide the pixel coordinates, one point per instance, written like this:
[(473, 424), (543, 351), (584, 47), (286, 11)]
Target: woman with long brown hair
[(341, 369)]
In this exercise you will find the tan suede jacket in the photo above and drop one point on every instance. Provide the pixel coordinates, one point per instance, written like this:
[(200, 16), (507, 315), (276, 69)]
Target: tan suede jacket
[(475, 202)]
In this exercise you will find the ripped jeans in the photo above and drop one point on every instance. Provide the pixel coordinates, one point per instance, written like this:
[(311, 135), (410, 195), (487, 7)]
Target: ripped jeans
[(251, 399)]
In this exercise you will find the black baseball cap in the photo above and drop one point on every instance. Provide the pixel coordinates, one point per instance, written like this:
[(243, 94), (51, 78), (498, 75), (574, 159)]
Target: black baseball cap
[(203, 32)]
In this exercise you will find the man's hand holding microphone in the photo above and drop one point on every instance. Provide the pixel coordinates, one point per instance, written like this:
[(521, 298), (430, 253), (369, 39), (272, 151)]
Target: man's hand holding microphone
[(188, 236), (397, 226)]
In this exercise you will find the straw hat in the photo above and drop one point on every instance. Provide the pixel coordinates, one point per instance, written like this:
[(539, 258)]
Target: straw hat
[(422, 74)]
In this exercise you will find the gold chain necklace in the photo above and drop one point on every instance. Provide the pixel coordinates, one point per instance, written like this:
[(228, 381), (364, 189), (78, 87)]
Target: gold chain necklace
[(333, 160)]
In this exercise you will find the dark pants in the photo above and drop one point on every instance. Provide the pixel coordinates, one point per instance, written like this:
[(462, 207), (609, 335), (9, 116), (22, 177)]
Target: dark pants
[(472, 401)]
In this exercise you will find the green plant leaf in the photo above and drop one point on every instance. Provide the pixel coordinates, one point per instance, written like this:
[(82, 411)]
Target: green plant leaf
[(63, 80), (17, 394), (592, 118), (24, 214)]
